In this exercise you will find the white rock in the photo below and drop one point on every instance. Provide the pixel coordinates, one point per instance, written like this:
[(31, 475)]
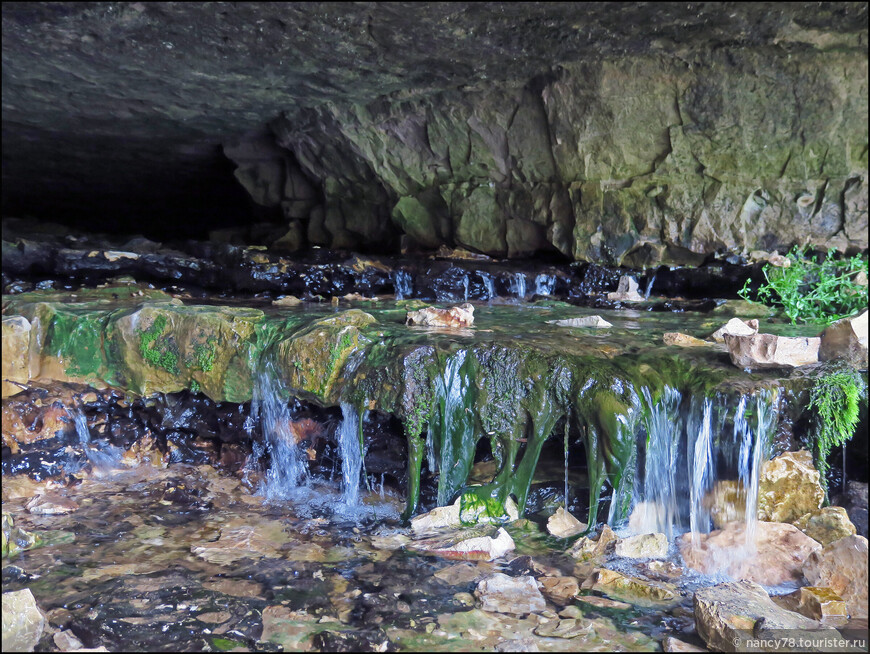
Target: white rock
[(23, 622), (645, 546), (503, 594), (449, 517), (564, 525), (842, 567), (736, 327), (586, 321), (456, 316), (626, 291), (772, 351)]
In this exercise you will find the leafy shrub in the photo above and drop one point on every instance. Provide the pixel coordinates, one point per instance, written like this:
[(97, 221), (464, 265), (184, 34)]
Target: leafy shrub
[(813, 291)]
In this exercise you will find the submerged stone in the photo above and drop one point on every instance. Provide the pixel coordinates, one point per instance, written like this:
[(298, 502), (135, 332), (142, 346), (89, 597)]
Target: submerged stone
[(564, 525), (503, 594), (559, 590), (586, 321), (23, 622), (453, 317), (683, 340)]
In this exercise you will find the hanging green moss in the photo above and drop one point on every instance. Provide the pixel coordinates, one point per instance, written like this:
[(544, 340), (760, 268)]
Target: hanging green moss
[(835, 400), (158, 352)]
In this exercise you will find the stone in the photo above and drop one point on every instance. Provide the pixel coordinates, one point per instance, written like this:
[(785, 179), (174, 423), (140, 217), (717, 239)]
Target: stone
[(777, 558), (66, 641), (453, 317), (518, 645), (632, 589), (476, 548), (644, 546), (16, 539), (846, 339), (559, 590), (586, 321), (735, 327), (822, 604), (842, 567), (588, 549), (671, 644), (503, 594), (626, 291), (728, 615), (683, 340), (287, 301), (51, 504), (564, 525), (603, 602), (761, 351), (16, 353), (789, 487), (565, 628), (23, 622), (828, 525), (449, 517)]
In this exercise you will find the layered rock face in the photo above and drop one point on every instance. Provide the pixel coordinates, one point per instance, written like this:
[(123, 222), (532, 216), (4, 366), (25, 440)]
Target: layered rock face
[(621, 133), (633, 161)]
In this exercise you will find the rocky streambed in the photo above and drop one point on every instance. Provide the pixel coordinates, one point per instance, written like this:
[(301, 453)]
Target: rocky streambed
[(183, 471)]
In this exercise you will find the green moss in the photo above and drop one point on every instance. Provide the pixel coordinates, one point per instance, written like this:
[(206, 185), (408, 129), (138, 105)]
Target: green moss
[(156, 351), (194, 386)]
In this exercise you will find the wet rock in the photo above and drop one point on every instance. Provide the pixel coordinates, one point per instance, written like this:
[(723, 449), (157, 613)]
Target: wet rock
[(631, 589), (822, 604), (735, 327), (245, 541), (586, 321), (564, 525), (503, 594), (761, 351), (842, 567), (828, 525), (66, 641), (726, 502), (16, 539), (777, 557), (287, 301), (462, 573), (789, 488), (603, 602), (671, 644), (453, 317), (565, 628), (23, 622), (16, 354), (476, 548), (370, 640), (589, 549), (645, 546), (626, 291), (559, 590), (51, 504), (293, 630), (846, 339), (518, 645), (452, 517), (683, 340), (730, 614)]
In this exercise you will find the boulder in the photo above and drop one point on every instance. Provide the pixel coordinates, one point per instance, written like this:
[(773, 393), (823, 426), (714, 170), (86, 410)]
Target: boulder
[(586, 321), (842, 567), (644, 546), (789, 488), (730, 614), (771, 351), (16, 353), (626, 291), (777, 557), (23, 622), (683, 340), (450, 517), (846, 339), (632, 589), (828, 525), (587, 549), (671, 644), (822, 604), (475, 548), (735, 327), (564, 525), (559, 590), (453, 317), (500, 593)]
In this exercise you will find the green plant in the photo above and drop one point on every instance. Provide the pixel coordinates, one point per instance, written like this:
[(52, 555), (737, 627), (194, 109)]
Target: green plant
[(158, 352), (813, 291), (835, 397)]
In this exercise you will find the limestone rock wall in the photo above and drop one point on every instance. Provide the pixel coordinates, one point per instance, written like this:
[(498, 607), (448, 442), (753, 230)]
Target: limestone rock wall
[(630, 160)]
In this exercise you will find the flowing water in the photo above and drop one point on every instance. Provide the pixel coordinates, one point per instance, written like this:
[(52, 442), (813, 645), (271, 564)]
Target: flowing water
[(545, 284), (350, 444), (403, 283), (517, 285), (488, 284), (104, 460)]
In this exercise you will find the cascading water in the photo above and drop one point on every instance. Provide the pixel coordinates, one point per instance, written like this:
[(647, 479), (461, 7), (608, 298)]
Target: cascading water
[(545, 284), (649, 287), (102, 461), (488, 284), (350, 449), (288, 469), (465, 287), (700, 462), (517, 285), (754, 451), (403, 284)]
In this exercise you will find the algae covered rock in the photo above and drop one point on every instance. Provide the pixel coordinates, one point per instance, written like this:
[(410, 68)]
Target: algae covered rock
[(16, 539), (16, 353)]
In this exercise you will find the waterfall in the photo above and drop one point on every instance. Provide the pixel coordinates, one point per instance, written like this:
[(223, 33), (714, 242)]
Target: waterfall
[(565, 447), (700, 461), (288, 469), (403, 284), (517, 285), (465, 287), (488, 284), (102, 461), (649, 287), (754, 451), (545, 284), (350, 447)]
